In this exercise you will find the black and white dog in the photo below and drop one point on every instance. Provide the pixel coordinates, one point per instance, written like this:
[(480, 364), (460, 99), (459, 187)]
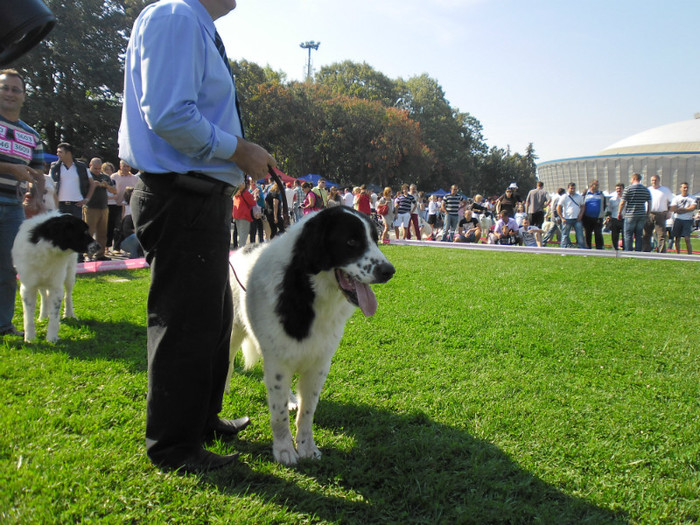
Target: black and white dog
[(292, 298), (44, 254)]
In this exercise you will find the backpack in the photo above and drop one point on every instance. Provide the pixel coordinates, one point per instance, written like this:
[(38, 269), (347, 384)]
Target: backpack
[(319, 199)]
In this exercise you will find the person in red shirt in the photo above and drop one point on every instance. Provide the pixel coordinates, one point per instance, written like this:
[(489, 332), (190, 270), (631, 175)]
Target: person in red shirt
[(243, 202), (362, 202)]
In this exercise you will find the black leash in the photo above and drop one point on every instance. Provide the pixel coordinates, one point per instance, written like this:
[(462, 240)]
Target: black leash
[(283, 198), (285, 214), (236, 276)]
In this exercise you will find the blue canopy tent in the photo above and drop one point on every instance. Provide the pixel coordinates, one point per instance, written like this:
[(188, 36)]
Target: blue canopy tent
[(50, 157), (313, 179), (439, 193)]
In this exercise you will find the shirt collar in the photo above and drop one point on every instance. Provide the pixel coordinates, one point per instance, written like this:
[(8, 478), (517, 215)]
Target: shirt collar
[(203, 15)]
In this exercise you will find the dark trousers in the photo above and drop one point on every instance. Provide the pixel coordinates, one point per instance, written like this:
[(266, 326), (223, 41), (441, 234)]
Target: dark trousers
[(275, 227), (615, 232), (416, 227), (537, 218), (114, 221), (72, 209), (256, 228), (185, 237), (593, 227)]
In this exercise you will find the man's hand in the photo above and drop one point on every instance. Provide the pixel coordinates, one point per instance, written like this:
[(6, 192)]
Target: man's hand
[(254, 160), (23, 172)]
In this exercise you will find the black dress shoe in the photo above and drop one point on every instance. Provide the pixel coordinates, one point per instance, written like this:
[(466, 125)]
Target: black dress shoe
[(203, 461), (227, 428), (11, 331)]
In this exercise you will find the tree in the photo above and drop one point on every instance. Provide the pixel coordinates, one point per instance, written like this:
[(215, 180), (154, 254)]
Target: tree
[(454, 138), (75, 76), (499, 167), (359, 81)]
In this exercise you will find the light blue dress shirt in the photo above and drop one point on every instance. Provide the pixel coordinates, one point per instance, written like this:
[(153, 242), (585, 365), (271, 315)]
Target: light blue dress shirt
[(179, 110)]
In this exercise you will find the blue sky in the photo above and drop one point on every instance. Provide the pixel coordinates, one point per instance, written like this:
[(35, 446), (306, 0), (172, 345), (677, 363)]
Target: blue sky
[(570, 77)]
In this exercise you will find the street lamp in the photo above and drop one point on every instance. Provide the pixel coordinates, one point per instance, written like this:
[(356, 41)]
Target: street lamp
[(309, 45)]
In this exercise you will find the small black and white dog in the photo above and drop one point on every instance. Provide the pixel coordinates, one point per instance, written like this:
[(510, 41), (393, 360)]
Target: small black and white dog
[(45, 256), (292, 298)]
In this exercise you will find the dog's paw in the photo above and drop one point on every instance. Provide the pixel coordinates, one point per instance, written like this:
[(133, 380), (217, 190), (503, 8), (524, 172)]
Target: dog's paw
[(308, 449), (285, 455)]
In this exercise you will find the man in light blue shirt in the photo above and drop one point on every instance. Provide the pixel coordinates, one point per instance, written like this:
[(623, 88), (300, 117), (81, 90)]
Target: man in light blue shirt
[(181, 128)]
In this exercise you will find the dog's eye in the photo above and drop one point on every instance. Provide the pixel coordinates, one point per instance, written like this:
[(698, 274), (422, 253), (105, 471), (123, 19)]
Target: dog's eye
[(354, 243)]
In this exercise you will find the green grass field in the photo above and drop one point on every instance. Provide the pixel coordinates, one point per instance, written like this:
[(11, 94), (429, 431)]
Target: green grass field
[(490, 387)]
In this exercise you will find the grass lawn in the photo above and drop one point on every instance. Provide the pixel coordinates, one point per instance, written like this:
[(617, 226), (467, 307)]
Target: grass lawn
[(490, 387)]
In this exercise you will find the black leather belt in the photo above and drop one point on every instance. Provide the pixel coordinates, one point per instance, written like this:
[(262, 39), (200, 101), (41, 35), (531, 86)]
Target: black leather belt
[(192, 182)]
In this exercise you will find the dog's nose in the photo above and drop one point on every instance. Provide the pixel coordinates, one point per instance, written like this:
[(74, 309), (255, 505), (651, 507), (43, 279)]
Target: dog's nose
[(383, 272)]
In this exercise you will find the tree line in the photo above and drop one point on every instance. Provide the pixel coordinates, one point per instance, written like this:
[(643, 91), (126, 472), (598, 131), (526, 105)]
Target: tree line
[(351, 124)]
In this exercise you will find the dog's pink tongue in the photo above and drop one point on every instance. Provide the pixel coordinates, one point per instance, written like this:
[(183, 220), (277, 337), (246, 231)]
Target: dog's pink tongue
[(366, 298)]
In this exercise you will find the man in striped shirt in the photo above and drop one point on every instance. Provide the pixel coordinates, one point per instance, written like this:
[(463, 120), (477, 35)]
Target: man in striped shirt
[(450, 207), (404, 204), (21, 161), (636, 203)]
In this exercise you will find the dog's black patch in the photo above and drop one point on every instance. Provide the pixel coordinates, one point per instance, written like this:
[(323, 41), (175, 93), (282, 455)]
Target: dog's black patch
[(65, 232), (333, 237)]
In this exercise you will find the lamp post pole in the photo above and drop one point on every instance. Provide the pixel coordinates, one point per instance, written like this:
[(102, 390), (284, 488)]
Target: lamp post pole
[(309, 46)]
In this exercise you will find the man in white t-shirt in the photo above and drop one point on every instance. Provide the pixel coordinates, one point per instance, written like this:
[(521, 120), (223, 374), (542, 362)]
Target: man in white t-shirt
[(73, 181), (683, 207), (570, 208), (348, 198), (661, 198)]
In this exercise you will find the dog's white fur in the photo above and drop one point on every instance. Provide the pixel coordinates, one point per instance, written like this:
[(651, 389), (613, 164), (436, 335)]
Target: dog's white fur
[(46, 269), (260, 330)]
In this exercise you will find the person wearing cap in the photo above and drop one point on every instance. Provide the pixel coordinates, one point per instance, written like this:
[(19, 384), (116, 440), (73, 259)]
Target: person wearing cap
[(508, 200)]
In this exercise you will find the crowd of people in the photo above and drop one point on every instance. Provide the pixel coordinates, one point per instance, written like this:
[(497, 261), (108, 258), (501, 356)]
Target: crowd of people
[(93, 191), (638, 217)]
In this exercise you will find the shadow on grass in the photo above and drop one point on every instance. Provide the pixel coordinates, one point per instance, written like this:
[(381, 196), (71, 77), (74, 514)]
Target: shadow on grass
[(98, 340), (408, 469)]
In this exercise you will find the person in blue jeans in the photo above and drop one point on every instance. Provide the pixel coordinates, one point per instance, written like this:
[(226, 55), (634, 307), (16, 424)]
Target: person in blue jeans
[(570, 208), (21, 161), (450, 207), (635, 204)]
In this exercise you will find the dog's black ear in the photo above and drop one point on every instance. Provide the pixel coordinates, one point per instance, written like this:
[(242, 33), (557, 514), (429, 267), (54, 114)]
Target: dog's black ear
[(311, 252), (49, 229), (295, 303)]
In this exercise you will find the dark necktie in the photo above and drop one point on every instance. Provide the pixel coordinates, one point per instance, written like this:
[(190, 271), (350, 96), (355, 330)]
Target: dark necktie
[(222, 51)]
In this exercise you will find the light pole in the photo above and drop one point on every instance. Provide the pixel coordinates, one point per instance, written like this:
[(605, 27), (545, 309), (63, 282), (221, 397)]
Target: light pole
[(309, 45)]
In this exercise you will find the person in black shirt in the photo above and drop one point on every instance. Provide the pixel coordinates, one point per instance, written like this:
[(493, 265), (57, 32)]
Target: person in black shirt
[(273, 211), (469, 229)]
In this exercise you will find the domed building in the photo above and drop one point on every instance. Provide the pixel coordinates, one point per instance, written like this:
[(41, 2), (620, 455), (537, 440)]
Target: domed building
[(671, 151)]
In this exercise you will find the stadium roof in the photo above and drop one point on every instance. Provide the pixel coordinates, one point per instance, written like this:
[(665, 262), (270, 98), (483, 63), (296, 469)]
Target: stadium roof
[(679, 137)]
